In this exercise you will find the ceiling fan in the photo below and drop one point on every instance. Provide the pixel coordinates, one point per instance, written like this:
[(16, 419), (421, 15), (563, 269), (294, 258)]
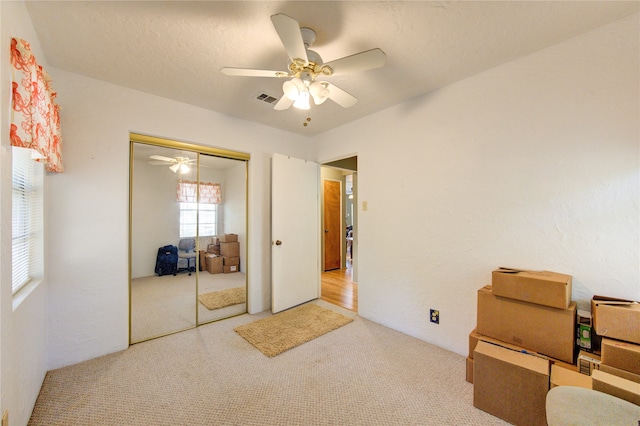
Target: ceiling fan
[(306, 67), (175, 164)]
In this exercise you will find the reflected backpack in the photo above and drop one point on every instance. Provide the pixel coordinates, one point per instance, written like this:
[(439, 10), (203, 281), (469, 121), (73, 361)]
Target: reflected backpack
[(167, 260)]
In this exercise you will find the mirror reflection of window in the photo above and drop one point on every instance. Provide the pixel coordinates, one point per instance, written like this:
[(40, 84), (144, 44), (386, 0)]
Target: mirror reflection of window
[(198, 205), (189, 219)]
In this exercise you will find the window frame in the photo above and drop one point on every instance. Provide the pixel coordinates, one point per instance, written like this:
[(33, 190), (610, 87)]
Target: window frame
[(199, 225), (27, 218)]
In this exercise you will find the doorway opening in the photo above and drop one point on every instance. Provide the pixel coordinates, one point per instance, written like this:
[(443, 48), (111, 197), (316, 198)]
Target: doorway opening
[(339, 233)]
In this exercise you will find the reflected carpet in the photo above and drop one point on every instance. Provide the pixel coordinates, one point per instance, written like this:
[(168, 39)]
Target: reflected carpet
[(222, 298), (288, 329)]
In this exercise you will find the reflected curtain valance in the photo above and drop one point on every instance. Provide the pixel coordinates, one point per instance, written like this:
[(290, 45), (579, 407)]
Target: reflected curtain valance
[(35, 117), (210, 193)]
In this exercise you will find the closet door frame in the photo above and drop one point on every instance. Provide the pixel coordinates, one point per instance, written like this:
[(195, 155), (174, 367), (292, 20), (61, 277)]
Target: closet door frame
[(137, 138)]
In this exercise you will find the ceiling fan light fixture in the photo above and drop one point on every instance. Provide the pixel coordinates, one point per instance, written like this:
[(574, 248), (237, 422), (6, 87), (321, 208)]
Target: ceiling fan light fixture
[(292, 88), (184, 169), (319, 92), (303, 100), (174, 168)]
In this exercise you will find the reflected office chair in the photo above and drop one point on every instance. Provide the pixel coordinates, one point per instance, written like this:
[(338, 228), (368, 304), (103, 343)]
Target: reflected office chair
[(187, 255)]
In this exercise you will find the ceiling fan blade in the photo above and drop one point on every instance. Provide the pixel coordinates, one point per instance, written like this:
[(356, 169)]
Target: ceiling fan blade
[(339, 96), (161, 158), (288, 30), (247, 72), (369, 59), (158, 163), (283, 103)]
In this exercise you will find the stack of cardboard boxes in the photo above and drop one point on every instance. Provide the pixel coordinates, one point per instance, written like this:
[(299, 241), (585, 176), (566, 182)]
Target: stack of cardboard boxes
[(223, 255), (617, 323), (230, 251), (525, 342)]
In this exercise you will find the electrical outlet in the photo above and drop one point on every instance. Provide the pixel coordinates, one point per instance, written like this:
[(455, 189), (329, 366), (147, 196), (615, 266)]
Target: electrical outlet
[(434, 316)]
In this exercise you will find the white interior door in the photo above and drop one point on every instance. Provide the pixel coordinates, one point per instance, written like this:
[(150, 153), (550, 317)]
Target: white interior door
[(295, 240)]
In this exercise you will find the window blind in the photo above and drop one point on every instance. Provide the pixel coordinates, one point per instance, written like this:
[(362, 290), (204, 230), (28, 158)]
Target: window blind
[(27, 217)]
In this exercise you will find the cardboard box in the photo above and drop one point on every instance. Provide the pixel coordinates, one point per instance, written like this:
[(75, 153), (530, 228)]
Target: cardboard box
[(616, 318), (230, 249), (231, 261), (562, 364), (548, 331), (622, 355), (228, 238), (616, 386), (564, 377), (469, 369), (213, 263), (510, 385), (587, 362), (620, 373), (475, 337), (201, 260), (228, 269), (543, 288)]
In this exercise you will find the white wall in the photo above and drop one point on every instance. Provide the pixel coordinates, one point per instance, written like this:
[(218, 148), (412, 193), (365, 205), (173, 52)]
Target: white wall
[(23, 331), (532, 164)]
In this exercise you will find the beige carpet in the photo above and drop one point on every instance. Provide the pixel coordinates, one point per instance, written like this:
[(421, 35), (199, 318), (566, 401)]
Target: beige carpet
[(363, 374), (163, 305), (291, 328), (223, 298)]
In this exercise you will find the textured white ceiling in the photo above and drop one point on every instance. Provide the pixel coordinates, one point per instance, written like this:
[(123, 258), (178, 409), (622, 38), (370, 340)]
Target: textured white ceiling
[(175, 49)]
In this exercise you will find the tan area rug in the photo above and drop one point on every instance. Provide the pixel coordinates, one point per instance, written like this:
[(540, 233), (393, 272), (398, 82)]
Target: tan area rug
[(223, 298), (291, 328)]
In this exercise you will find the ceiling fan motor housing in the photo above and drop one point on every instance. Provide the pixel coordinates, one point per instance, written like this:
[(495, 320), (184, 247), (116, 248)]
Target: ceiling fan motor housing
[(308, 36), (313, 56)]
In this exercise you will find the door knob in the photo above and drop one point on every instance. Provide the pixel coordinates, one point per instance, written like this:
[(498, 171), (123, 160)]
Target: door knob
[(326, 231), (278, 242)]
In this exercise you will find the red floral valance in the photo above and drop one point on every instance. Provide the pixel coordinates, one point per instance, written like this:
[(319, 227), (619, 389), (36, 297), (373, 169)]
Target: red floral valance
[(35, 117), (210, 193)]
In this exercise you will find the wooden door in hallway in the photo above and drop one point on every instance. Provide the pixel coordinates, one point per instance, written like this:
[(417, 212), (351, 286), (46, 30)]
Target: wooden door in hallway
[(333, 233)]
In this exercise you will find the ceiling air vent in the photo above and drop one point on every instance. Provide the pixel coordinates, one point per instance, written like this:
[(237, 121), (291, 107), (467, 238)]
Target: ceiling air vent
[(266, 98)]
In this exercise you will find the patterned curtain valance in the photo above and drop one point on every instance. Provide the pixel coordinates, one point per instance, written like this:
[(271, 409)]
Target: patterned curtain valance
[(35, 117), (210, 193)]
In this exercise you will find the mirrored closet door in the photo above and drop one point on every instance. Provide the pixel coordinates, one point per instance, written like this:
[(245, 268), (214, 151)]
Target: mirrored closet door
[(187, 262)]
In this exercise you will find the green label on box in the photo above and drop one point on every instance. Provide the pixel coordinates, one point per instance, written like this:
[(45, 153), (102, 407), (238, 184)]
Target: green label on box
[(584, 336)]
